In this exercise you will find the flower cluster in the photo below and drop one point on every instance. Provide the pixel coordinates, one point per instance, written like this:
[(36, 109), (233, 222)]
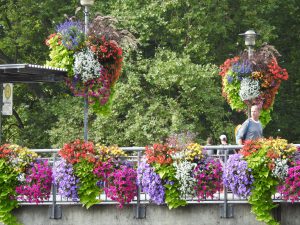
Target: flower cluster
[(93, 62), (277, 154), (280, 170), (254, 80), (237, 176), (180, 141), (106, 171), (290, 189), (37, 185), (151, 183), (208, 177), (105, 153), (121, 185), (183, 169), (159, 153), (71, 34), (78, 150), (86, 66), (119, 179), (270, 161), (185, 177), (250, 147), (193, 152), (19, 175), (65, 180), (249, 89), (18, 157)]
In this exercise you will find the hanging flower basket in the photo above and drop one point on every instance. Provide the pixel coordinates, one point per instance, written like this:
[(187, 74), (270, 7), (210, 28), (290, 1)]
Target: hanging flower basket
[(253, 81), (93, 61)]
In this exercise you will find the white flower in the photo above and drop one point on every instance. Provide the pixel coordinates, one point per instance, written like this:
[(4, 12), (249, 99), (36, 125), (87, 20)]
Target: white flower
[(21, 177), (249, 89), (178, 155), (281, 169), (86, 65), (184, 176)]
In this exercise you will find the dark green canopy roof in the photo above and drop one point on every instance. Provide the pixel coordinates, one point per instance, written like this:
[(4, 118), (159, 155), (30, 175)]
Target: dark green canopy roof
[(28, 73)]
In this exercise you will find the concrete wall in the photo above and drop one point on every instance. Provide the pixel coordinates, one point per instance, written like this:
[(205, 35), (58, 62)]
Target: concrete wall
[(194, 214)]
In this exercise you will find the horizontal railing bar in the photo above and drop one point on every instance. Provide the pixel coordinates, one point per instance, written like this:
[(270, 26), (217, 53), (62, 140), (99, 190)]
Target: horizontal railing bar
[(206, 147)]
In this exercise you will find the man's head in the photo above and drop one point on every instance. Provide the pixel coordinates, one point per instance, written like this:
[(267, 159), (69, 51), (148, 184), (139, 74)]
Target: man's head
[(255, 112)]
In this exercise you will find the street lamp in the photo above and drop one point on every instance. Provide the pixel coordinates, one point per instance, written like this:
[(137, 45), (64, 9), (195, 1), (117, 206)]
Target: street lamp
[(86, 4), (250, 37)]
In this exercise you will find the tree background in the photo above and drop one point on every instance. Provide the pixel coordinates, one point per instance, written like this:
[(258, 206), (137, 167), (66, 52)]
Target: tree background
[(170, 84)]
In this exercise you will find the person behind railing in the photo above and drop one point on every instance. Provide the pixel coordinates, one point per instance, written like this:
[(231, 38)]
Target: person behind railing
[(221, 152), (251, 129), (210, 152)]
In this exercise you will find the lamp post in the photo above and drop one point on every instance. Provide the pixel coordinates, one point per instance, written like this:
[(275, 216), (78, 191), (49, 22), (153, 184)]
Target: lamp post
[(86, 4), (250, 37)]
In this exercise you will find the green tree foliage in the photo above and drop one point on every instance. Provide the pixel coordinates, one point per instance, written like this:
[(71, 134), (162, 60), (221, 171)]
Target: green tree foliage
[(161, 96)]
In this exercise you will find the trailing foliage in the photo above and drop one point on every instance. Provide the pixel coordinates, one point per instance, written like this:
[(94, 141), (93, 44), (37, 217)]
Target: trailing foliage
[(88, 191), (172, 194), (8, 182), (261, 156)]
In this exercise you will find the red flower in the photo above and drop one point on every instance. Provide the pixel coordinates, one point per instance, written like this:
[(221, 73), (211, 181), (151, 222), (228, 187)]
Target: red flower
[(159, 153), (250, 147), (227, 64), (277, 71), (103, 49), (78, 150)]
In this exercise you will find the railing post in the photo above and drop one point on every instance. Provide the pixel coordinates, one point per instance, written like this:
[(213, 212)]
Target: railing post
[(140, 211), (226, 209), (54, 210)]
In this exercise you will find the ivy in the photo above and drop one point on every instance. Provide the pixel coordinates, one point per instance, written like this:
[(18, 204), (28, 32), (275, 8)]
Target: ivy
[(60, 56), (167, 172), (88, 191), (8, 182), (264, 186)]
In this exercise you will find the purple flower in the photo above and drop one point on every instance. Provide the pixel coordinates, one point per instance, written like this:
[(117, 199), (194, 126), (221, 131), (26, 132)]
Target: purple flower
[(151, 183), (237, 176), (243, 67), (65, 180), (229, 79), (72, 33)]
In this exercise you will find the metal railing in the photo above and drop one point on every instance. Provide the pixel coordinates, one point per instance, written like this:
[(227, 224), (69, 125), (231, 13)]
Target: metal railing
[(225, 198)]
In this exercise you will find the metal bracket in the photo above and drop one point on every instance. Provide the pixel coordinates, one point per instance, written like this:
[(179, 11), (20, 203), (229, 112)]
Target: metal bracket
[(139, 211), (276, 212), (226, 211), (55, 212)]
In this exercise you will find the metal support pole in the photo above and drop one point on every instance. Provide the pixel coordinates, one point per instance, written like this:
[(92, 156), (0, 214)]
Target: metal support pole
[(55, 210), (250, 54), (140, 211), (226, 210), (86, 103)]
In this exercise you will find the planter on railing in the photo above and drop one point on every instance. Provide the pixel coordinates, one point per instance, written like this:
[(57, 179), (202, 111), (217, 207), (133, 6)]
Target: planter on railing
[(168, 174)]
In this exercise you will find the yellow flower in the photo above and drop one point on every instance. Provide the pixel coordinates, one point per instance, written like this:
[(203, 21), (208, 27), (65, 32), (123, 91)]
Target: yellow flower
[(257, 75), (193, 151), (106, 153)]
